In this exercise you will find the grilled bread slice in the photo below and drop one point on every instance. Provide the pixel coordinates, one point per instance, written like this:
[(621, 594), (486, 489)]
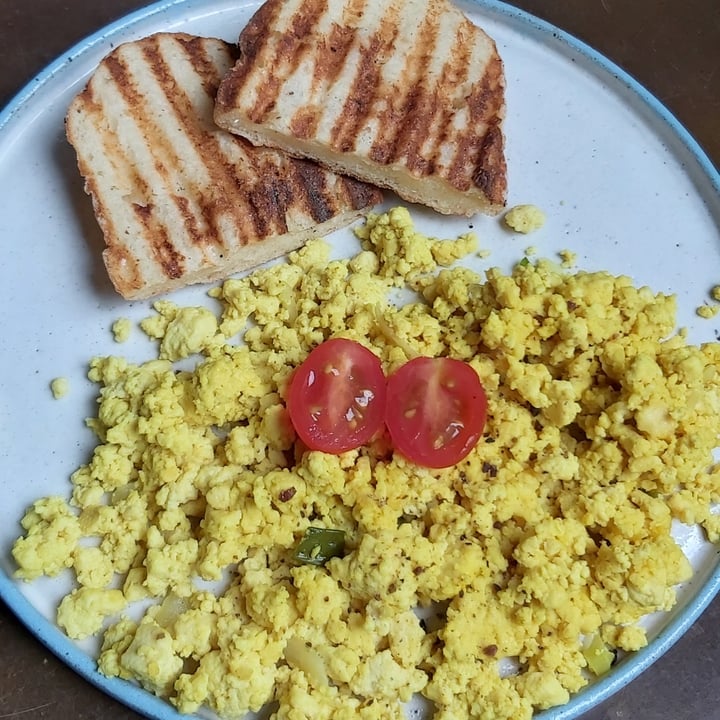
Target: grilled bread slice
[(179, 200), (405, 94)]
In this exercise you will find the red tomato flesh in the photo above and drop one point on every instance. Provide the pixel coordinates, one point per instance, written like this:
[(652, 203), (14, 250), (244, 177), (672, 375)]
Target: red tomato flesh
[(336, 398), (436, 410)]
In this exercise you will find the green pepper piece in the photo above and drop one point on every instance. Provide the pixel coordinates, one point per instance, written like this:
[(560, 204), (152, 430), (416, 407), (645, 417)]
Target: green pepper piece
[(318, 545), (598, 655)]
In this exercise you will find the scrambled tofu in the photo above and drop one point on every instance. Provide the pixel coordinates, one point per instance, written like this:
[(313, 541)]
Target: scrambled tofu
[(59, 387), (494, 588), (525, 218), (709, 311), (121, 330)]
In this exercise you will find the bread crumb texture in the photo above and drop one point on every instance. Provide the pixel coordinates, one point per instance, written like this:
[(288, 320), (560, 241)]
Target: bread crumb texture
[(478, 586)]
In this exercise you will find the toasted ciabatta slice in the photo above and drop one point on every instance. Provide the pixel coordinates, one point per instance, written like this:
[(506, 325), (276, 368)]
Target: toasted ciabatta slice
[(178, 199), (405, 94)]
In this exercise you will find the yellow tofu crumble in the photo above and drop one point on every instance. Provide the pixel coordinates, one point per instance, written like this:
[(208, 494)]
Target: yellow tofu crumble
[(121, 330), (556, 529), (568, 258), (525, 218), (707, 312), (59, 387)]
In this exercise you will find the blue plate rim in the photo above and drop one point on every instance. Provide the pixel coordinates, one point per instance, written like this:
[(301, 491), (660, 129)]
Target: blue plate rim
[(143, 702)]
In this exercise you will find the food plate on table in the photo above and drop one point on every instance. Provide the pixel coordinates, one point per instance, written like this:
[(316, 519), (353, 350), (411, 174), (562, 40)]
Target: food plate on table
[(620, 182)]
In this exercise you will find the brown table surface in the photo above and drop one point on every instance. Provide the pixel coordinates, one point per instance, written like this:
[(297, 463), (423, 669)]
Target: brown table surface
[(673, 48)]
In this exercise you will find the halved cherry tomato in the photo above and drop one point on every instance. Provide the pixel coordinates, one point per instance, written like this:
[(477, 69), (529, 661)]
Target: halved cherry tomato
[(436, 410), (336, 398)]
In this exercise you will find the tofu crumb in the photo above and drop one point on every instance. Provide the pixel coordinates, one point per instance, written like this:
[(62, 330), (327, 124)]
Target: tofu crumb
[(525, 218), (707, 312), (556, 528), (121, 329), (182, 331), (568, 258), (59, 387)]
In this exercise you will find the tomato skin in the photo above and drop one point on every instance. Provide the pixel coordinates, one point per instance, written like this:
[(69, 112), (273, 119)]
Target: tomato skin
[(436, 410), (336, 397)]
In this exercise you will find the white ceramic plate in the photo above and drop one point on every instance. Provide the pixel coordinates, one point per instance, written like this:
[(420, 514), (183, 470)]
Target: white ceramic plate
[(622, 183)]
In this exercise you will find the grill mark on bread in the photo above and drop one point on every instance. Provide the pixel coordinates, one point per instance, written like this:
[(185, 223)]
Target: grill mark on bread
[(288, 55), (365, 87), (396, 92), (327, 66), (490, 171), (161, 247), (358, 194), (204, 65), (304, 123), (306, 178), (481, 158), (250, 48), (181, 106), (405, 137), (247, 207), (454, 74), (126, 267), (210, 209), (330, 62), (313, 182), (265, 205), (178, 199), (337, 45)]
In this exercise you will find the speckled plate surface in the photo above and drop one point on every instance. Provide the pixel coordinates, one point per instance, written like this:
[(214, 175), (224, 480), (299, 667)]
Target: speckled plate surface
[(622, 183)]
